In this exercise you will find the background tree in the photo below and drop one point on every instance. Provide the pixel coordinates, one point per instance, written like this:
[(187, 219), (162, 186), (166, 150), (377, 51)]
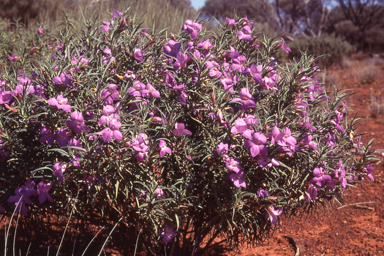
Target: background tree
[(261, 11), (303, 17), (360, 21)]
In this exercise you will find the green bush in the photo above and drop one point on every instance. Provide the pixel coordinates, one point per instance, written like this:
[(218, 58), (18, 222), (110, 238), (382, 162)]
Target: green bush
[(335, 48), (182, 139)]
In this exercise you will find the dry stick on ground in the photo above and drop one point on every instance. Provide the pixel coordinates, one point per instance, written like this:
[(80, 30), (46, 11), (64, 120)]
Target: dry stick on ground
[(355, 204), (364, 207), (292, 241)]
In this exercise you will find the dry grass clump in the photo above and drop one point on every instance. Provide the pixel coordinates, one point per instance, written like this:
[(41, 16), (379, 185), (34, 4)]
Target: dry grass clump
[(367, 73), (377, 105)]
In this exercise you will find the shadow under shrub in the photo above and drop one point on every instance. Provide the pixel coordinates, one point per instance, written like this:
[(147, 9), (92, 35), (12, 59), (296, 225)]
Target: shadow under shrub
[(182, 140)]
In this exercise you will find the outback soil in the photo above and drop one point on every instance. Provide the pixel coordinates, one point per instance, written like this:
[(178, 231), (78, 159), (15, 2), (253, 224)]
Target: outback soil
[(354, 227)]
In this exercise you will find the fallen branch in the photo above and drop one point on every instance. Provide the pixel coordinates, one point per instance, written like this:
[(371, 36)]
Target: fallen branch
[(355, 204)]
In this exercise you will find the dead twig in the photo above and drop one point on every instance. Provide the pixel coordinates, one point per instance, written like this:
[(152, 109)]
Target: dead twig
[(292, 241), (355, 204), (364, 207)]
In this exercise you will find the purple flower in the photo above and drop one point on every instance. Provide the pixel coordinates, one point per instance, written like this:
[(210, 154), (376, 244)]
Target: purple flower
[(233, 54), (40, 30), (138, 55), (168, 234), (172, 48), (262, 193), (243, 128), (180, 130), (159, 192), (213, 67), (59, 170), (63, 79), (5, 96), (233, 165), (105, 27), (46, 136), (206, 45), (319, 177), (307, 143), (237, 179), (245, 34), (14, 57), (286, 141), (222, 148), (311, 192), (62, 137), (76, 123), (60, 103), (192, 28), (150, 90), (340, 173), (21, 199), (369, 169), (108, 115), (256, 144), (181, 61), (231, 22), (112, 132), (110, 94), (116, 14), (164, 149), (245, 99), (272, 213), (42, 191), (284, 46)]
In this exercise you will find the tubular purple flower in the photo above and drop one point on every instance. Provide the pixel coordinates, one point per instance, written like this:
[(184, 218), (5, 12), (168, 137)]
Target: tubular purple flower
[(245, 99), (58, 171), (233, 54), (159, 192), (272, 213), (311, 192), (76, 123), (106, 26), (256, 144), (231, 22), (60, 103), (192, 28), (245, 34), (164, 149), (237, 179), (63, 79), (112, 132), (20, 200), (138, 55), (319, 177), (14, 57), (369, 169), (206, 45), (233, 165), (172, 48), (42, 191), (262, 193), (180, 130), (222, 148), (62, 137), (167, 234), (284, 46)]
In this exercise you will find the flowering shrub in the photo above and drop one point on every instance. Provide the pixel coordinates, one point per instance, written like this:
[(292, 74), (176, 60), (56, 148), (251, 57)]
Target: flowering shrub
[(185, 138)]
